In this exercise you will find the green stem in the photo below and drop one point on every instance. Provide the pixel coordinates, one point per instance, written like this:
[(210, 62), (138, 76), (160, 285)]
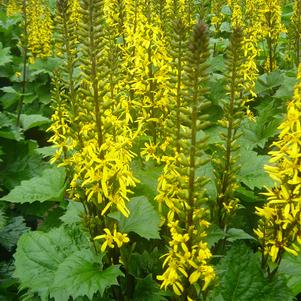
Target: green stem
[(94, 73), (179, 82), (24, 55), (70, 67)]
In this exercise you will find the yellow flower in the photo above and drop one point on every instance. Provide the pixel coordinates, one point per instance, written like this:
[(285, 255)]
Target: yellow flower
[(149, 151), (117, 237), (39, 28), (109, 239), (279, 224)]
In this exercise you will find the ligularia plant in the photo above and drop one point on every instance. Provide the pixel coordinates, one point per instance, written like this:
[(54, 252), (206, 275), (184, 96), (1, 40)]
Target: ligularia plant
[(279, 227), (180, 188), (90, 122), (155, 180)]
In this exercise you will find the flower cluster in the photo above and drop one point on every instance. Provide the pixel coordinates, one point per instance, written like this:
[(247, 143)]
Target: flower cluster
[(272, 27), (39, 28), (180, 190), (295, 30), (13, 7), (92, 135), (249, 20), (280, 225), (226, 158), (112, 238), (147, 64)]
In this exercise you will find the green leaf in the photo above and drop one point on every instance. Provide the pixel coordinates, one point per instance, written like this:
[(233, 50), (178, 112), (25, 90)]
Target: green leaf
[(268, 81), (5, 57), (21, 163), (51, 218), (47, 187), (82, 275), (39, 256), (214, 234), (258, 133), (46, 151), (217, 64), (291, 267), (143, 219), (286, 90), (72, 215), (252, 173), (147, 289), (235, 234), (30, 121), (8, 128), (148, 176), (10, 234), (241, 278), (2, 218), (207, 172), (9, 90), (225, 27), (145, 263)]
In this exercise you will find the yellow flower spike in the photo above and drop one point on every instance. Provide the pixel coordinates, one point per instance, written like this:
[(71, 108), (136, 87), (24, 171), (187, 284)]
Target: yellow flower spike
[(278, 226), (39, 28)]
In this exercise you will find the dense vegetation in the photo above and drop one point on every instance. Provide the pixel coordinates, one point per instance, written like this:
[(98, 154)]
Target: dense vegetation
[(150, 150)]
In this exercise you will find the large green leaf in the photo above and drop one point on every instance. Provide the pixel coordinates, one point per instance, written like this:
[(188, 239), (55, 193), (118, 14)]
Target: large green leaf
[(21, 163), (235, 234), (268, 81), (143, 219), (3, 218), (33, 120), (145, 263), (61, 264), (81, 274), (286, 90), (73, 212), (47, 187), (148, 175), (252, 171), (10, 234), (291, 267), (147, 289), (38, 256), (9, 90), (241, 279), (258, 132), (8, 128), (5, 56)]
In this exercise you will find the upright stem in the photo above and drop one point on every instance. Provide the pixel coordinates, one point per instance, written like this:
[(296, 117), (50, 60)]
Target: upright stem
[(94, 74), (24, 54), (70, 69), (151, 78), (225, 176), (270, 44), (179, 82)]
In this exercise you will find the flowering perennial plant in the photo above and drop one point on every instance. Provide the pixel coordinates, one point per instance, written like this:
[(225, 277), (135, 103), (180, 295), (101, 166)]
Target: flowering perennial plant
[(272, 27), (227, 157), (279, 226), (179, 187), (137, 72), (90, 123), (295, 29)]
